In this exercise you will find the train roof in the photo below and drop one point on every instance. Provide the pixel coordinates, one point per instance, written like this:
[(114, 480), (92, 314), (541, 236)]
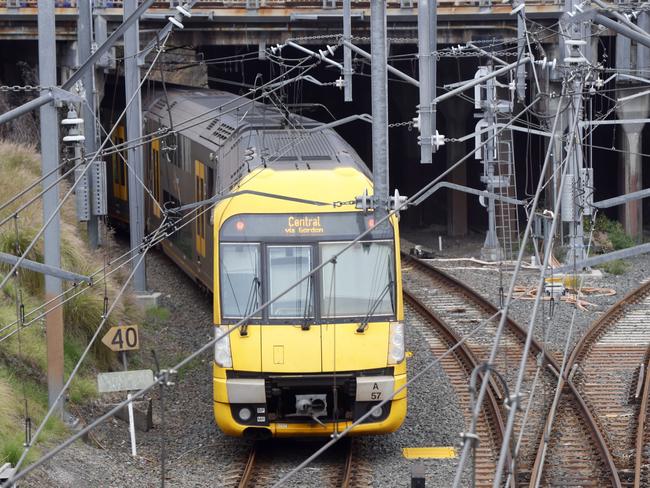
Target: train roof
[(217, 119)]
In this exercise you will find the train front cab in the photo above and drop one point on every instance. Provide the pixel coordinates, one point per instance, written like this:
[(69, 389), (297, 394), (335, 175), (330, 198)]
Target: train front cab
[(325, 353)]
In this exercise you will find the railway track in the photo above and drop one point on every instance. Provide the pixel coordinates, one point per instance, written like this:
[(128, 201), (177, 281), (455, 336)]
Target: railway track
[(267, 462), (463, 310), (458, 367), (609, 367)]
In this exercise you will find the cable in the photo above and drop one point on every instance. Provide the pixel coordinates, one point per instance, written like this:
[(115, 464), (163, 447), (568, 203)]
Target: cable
[(515, 398), (55, 212), (164, 374), (55, 403), (482, 392)]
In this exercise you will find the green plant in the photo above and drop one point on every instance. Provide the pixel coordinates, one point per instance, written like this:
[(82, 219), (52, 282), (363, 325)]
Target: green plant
[(617, 267), (82, 390), (10, 450), (156, 316), (613, 230)]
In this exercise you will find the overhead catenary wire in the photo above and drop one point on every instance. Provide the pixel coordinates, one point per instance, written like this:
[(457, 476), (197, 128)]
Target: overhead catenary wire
[(56, 211), (520, 377), (482, 391), (165, 373), (74, 371)]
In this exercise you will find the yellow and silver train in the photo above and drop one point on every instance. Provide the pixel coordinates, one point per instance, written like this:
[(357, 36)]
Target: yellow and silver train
[(326, 352)]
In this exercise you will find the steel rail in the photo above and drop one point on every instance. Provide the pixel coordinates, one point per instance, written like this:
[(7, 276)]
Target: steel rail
[(467, 363), (348, 467), (580, 354), (248, 468), (643, 429), (257, 469), (536, 350)]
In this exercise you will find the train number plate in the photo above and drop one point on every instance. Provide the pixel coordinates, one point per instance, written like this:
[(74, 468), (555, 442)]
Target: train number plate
[(374, 388)]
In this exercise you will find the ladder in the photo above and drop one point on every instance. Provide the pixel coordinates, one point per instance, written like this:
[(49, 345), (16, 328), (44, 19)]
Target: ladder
[(507, 220)]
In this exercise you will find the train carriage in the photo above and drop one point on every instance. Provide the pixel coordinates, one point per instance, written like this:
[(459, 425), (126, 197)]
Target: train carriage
[(330, 349)]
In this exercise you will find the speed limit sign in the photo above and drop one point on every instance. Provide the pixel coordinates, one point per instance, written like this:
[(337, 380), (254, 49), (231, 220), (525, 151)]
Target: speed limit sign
[(122, 338)]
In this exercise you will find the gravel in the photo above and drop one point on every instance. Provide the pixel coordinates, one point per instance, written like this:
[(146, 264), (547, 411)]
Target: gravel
[(198, 454), (552, 324)]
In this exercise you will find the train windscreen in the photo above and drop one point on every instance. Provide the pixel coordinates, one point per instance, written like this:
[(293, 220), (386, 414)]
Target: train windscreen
[(361, 282)]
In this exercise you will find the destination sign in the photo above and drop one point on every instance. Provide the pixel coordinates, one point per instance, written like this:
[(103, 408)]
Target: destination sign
[(327, 226)]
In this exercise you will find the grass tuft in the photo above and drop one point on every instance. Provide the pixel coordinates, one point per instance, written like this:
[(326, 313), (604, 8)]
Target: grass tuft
[(617, 267), (156, 316), (23, 358)]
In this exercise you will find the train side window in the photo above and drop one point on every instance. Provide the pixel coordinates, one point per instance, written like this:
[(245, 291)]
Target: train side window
[(199, 195), (240, 281), (119, 167), (287, 264)]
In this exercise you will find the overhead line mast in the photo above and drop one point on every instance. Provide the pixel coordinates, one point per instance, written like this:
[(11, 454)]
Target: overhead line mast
[(133, 133), (51, 237)]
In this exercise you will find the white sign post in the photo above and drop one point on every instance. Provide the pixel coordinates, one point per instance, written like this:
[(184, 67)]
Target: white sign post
[(126, 381), (134, 451)]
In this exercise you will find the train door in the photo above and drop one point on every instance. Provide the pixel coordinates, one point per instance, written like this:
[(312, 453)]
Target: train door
[(200, 221), (119, 167), (155, 175)]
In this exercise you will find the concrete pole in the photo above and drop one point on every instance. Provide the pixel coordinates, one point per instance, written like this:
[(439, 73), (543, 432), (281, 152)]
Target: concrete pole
[(379, 95), (134, 132), (84, 42), (347, 54), (51, 236), (632, 212), (424, 64)]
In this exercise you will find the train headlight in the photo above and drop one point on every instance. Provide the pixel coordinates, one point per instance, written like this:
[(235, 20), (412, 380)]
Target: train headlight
[(396, 343), (222, 355), (245, 414)]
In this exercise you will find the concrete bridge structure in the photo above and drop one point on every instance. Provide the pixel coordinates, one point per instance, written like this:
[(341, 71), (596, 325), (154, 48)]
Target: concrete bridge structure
[(217, 28)]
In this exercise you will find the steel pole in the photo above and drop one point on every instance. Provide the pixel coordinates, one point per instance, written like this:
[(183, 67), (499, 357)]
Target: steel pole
[(391, 69), (379, 95), (46, 97), (51, 236), (521, 42), (84, 41), (433, 48), (134, 133), (347, 54), (424, 65)]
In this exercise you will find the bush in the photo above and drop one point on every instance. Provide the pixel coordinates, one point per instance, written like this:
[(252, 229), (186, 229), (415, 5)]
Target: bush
[(611, 231)]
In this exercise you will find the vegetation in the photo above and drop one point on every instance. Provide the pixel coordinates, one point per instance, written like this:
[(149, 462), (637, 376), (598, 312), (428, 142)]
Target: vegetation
[(617, 267), (609, 235), (156, 316), (23, 361)]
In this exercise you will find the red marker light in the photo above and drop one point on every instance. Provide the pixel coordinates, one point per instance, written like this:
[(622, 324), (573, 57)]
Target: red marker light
[(240, 225), (371, 222)]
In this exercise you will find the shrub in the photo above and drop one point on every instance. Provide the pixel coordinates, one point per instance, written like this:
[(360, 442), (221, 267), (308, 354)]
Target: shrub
[(613, 230)]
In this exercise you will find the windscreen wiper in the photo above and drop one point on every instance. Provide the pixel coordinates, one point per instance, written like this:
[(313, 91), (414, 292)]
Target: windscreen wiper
[(251, 303), (305, 315), (363, 325)]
